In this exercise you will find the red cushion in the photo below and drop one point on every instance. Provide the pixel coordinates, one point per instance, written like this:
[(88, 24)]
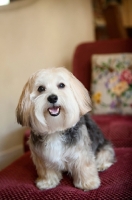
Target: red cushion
[(116, 128), (17, 182)]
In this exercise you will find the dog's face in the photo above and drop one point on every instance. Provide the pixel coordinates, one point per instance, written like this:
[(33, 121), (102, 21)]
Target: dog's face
[(52, 100)]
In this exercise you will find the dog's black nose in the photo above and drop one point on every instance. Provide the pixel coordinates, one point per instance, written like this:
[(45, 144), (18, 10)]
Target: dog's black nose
[(52, 98)]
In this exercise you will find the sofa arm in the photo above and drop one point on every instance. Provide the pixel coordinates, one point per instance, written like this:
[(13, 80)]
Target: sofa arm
[(25, 140)]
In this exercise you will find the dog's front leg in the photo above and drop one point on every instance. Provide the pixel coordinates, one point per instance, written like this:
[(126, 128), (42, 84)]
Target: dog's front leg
[(47, 177), (85, 174)]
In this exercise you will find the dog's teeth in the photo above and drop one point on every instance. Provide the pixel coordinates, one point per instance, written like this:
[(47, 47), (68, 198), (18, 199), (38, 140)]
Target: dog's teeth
[(54, 111)]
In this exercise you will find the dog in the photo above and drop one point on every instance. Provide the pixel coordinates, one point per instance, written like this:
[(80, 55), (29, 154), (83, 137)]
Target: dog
[(56, 105)]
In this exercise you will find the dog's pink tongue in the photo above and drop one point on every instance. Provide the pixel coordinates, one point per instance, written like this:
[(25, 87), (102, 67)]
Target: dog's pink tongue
[(54, 110)]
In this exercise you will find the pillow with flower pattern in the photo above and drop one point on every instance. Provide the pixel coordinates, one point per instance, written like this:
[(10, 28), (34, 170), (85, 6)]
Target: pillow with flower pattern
[(112, 83)]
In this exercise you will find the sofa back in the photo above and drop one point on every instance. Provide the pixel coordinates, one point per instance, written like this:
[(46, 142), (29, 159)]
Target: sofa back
[(84, 51)]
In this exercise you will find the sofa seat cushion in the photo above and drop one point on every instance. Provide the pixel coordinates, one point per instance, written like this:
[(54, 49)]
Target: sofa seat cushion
[(17, 181), (116, 128)]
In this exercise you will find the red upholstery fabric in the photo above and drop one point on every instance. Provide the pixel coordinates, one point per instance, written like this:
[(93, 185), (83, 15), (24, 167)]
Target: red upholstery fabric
[(17, 182), (83, 53), (115, 127), (25, 140)]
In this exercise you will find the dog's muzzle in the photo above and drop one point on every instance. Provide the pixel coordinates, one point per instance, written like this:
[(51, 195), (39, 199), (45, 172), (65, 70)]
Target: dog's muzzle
[(53, 110)]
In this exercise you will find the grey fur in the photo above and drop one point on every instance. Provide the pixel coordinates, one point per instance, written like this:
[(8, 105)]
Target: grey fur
[(72, 135), (36, 139)]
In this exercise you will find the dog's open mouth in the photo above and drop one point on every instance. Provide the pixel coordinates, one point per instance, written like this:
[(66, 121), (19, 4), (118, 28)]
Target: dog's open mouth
[(54, 111)]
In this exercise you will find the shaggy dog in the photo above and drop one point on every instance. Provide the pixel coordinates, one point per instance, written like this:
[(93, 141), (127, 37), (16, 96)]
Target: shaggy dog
[(55, 105)]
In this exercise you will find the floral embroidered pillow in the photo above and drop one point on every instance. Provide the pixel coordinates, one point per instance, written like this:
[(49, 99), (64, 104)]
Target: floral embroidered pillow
[(112, 83)]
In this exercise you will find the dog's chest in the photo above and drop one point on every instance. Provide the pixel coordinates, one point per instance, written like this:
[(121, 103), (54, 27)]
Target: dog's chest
[(54, 151), (57, 149)]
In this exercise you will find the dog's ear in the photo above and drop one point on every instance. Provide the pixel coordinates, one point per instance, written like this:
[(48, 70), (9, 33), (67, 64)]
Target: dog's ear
[(81, 95), (23, 108)]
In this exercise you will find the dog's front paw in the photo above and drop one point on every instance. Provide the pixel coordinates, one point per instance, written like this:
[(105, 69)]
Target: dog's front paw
[(89, 184), (47, 183)]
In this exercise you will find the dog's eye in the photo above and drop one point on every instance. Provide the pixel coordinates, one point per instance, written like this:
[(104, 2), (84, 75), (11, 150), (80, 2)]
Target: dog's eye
[(41, 89), (61, 85)]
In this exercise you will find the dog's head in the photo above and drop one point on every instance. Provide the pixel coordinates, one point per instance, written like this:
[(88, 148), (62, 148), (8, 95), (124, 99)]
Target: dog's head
[(52, 100)]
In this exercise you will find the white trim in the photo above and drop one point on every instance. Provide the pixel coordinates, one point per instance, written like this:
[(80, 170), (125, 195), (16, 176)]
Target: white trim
[(9, 155)]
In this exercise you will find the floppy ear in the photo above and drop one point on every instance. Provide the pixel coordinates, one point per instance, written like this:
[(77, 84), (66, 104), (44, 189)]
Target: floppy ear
[(81, 95), (23, 108)]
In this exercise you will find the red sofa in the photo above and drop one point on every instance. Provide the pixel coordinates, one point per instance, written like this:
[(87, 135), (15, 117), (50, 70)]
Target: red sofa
[(117, 128), (17, 180)]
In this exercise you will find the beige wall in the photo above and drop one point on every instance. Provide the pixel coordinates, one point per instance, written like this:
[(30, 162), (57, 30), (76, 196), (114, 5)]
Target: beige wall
[(35, 34)]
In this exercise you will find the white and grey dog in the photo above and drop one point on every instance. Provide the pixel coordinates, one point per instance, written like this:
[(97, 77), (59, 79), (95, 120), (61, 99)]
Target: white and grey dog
[(55, 105)]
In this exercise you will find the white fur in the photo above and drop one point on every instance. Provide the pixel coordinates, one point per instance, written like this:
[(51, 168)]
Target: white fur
[(35, 104), (52, 156)]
